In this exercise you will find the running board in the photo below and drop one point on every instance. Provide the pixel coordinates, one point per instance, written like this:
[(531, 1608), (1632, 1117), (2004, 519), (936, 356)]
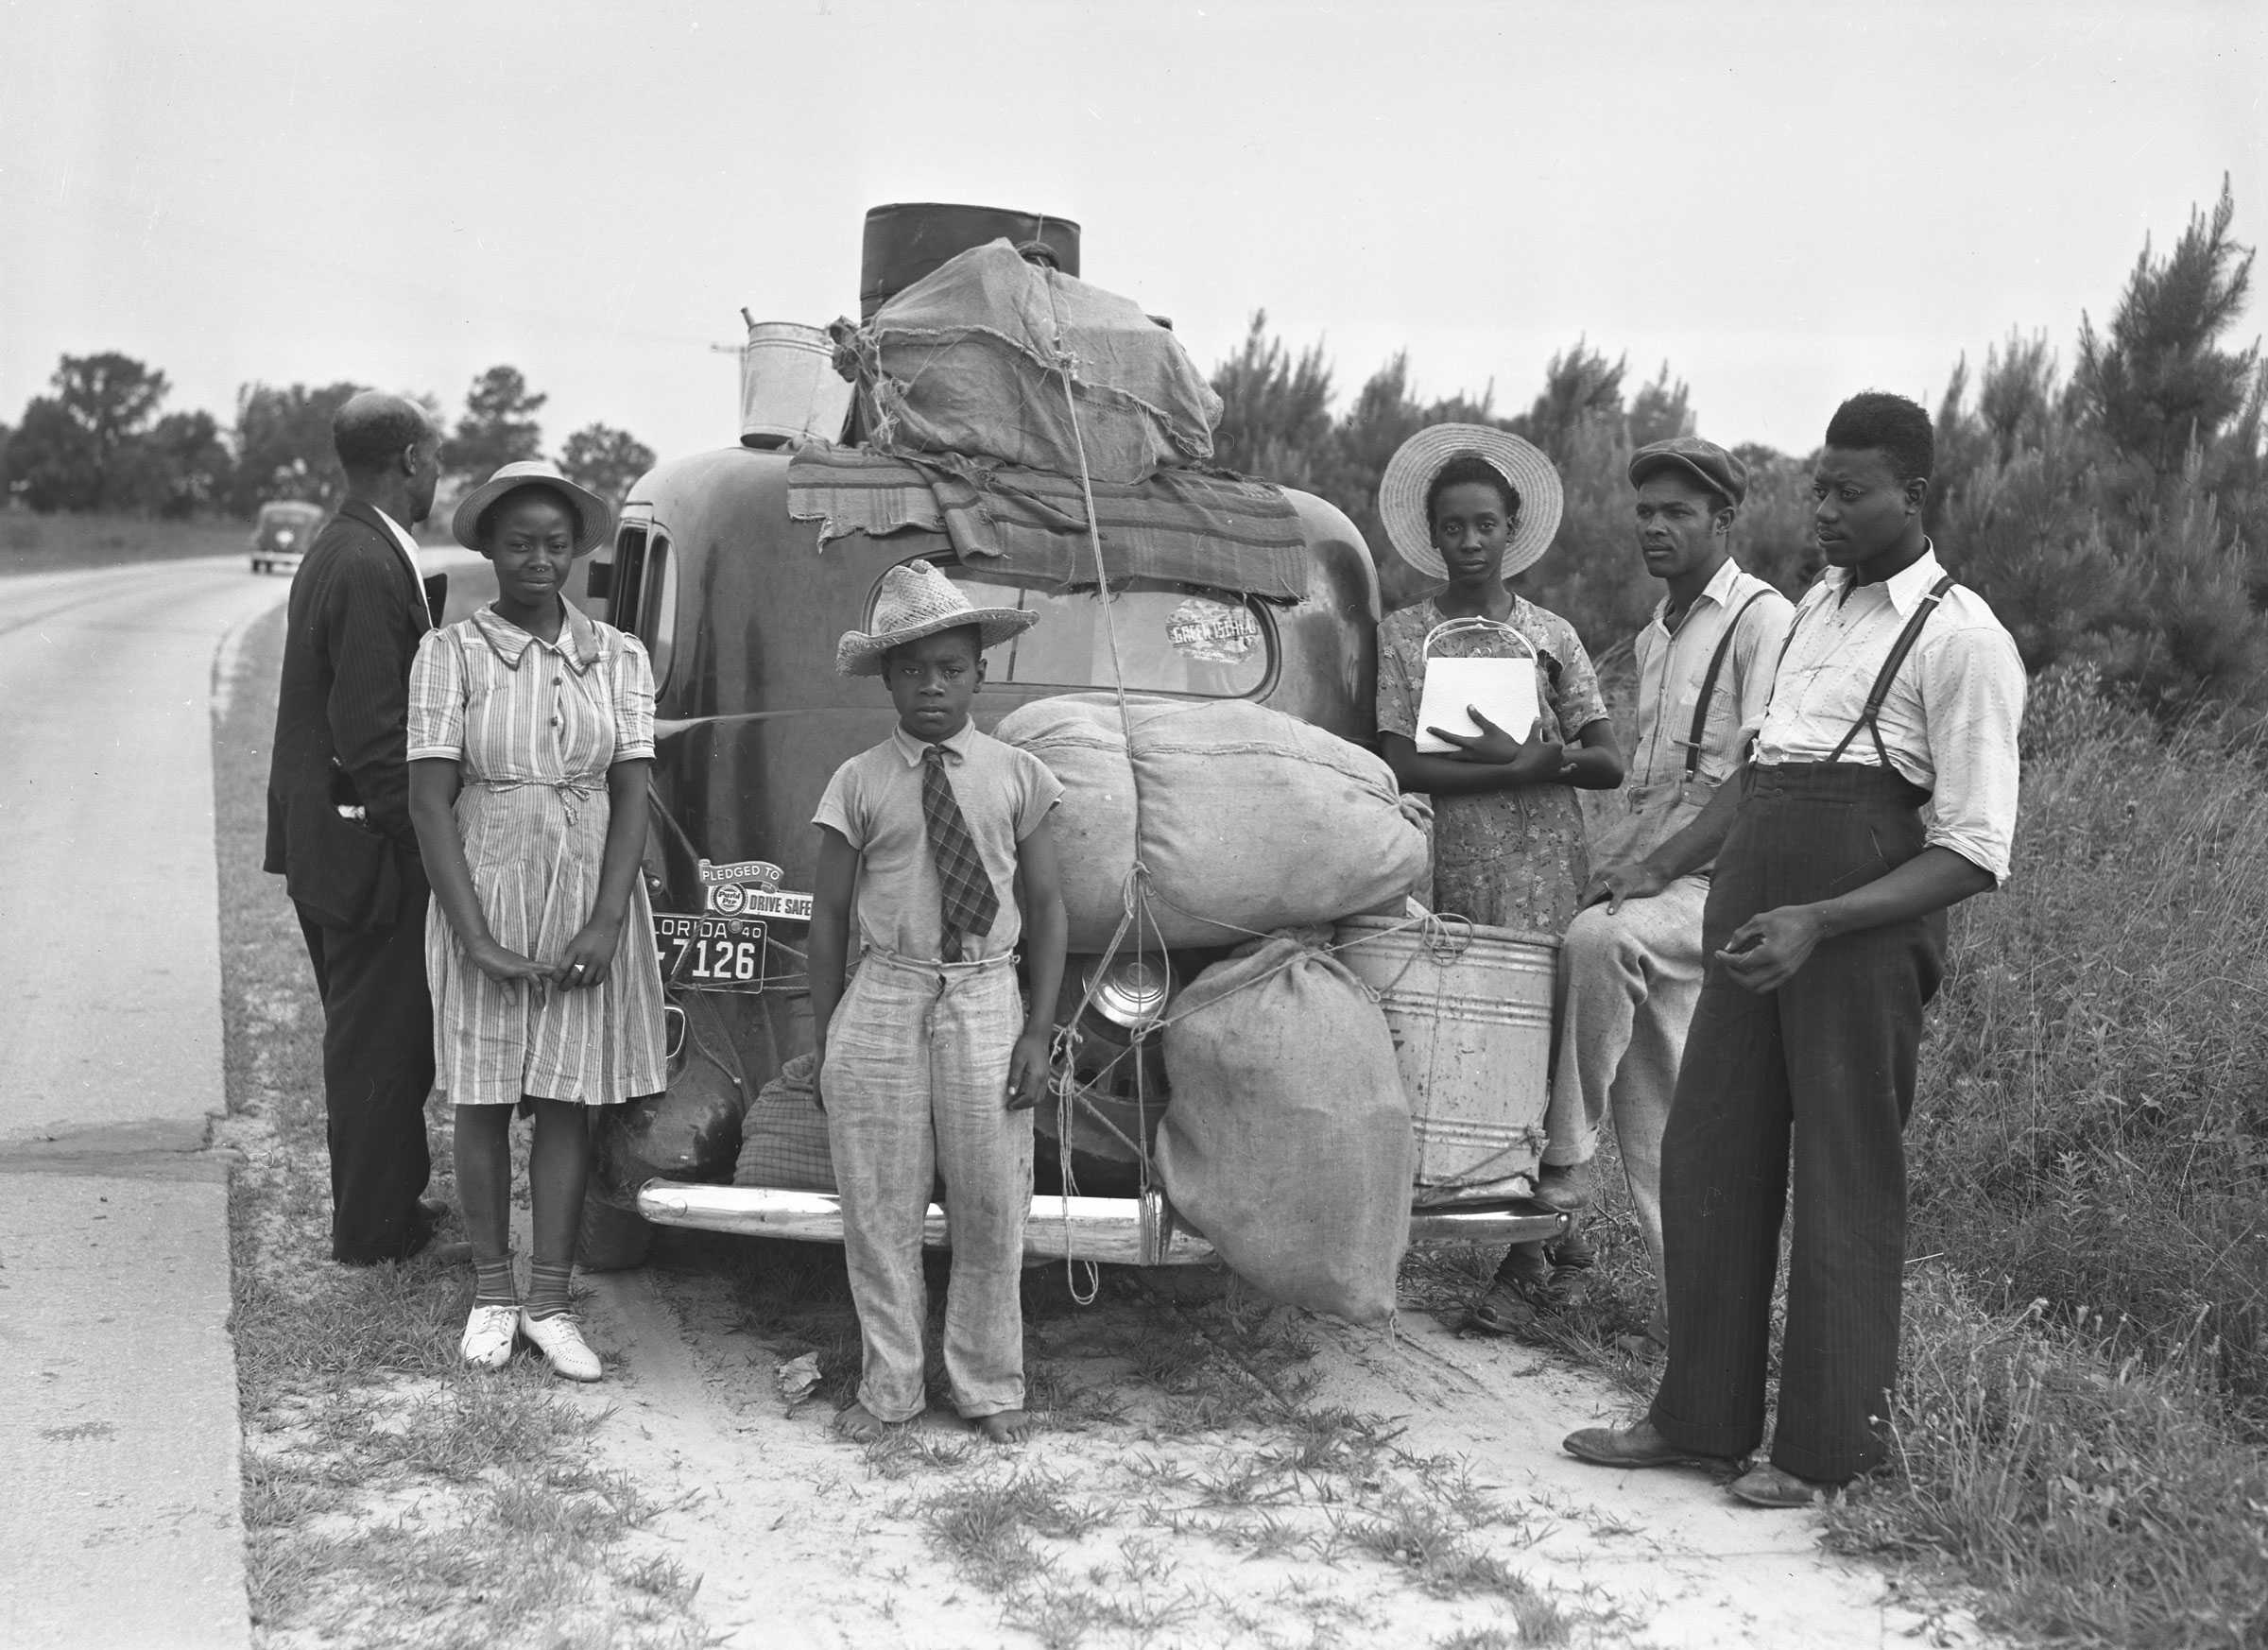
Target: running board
[(1125, 1232)]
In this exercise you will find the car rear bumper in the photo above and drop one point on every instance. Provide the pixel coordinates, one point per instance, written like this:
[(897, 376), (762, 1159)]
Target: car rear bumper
[(1131, 1231)]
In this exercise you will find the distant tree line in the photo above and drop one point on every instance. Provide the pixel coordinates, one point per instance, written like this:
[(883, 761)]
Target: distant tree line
[(100, 440), (2116, 517)]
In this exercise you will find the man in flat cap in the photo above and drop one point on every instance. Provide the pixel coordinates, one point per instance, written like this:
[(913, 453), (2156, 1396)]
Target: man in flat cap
[(1631, 964)]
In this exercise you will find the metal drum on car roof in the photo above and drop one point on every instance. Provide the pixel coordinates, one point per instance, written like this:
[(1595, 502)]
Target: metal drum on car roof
[(907, 240)]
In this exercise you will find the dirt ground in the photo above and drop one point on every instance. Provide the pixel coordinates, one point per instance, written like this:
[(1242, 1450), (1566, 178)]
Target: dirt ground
[(1210, 1471)]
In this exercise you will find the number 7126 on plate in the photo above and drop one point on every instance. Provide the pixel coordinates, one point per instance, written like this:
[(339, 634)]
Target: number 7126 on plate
[(710, 953)]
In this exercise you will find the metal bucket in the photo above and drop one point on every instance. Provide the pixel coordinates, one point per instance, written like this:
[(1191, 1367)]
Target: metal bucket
[(1470, 1010), (790, 389)]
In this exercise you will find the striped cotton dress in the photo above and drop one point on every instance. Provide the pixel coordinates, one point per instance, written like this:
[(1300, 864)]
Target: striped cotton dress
[(533, 727)]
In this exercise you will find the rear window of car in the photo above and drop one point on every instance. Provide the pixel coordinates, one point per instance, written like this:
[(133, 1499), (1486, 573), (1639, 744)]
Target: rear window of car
[(1172, 638)]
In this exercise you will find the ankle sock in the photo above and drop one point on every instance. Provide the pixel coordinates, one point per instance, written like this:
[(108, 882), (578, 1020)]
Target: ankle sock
[(493, 1282), (547, 1289)]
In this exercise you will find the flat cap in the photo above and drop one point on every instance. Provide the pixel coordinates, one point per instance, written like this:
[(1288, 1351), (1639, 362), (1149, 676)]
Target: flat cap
[(1702, 461)]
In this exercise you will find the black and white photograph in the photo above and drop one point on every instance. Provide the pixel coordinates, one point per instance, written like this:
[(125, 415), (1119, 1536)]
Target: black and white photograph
[(1050, 825)]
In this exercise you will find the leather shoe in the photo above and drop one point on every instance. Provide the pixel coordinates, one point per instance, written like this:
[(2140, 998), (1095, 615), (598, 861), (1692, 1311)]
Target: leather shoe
[(1639, 1445), (431, 1213), (561, 1341), (489, 1331), (1766, 1486), (1564, 1188)]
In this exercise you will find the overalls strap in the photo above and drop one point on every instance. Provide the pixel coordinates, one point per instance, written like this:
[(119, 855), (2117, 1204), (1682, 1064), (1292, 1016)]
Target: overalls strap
[(1869, 718), (1708, 686)]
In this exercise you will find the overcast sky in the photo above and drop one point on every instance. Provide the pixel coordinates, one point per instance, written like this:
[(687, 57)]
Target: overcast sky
[(1786, 203)]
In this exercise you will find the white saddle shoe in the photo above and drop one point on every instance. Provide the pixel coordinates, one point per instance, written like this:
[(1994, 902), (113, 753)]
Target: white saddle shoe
[(561, 1341), (489, 1334)]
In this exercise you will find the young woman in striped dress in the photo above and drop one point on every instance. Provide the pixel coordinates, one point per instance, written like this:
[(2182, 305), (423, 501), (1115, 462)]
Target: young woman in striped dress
[(530, 738)]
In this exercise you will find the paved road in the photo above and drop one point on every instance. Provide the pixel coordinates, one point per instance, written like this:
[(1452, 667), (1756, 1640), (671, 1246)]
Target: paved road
[(118, 1426)]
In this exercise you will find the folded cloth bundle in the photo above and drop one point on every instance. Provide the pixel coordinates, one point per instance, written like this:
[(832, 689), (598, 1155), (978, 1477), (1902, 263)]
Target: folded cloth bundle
[(1183, 526)]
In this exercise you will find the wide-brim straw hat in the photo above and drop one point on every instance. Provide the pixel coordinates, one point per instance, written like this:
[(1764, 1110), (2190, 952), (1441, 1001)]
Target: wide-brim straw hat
[(593, 520), (918, 600), (1411, 470)]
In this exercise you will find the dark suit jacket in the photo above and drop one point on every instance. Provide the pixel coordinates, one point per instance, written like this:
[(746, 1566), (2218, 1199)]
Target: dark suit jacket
[(342, 715)]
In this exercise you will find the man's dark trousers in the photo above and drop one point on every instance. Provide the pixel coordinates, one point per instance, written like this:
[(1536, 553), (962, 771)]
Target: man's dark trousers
[(377, 1072), (1830, 1059)]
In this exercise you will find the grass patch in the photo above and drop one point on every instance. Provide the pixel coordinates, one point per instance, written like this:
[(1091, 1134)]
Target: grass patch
[(991, 1531), (60, 543), (2097, 1498), (2081, 1430)]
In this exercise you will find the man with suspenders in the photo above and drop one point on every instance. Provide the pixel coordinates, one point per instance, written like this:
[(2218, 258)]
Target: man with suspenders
[(1882, 790), (1630, 967)]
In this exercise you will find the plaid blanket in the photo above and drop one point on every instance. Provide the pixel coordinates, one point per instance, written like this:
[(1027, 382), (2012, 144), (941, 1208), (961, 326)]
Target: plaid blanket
[(1182, 527)]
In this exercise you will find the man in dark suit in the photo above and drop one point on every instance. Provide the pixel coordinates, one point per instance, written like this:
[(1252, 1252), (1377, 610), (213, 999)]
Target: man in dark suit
[(338, 825)]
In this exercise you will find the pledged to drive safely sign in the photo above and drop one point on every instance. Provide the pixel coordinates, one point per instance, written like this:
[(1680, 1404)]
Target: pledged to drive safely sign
[(751, 888)]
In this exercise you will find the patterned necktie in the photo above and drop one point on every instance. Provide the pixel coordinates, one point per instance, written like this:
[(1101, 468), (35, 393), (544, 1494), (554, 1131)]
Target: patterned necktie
[(970, 904)]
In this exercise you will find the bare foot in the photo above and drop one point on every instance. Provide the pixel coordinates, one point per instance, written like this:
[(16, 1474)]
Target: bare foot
[(1005, 1426), (861, 1425)]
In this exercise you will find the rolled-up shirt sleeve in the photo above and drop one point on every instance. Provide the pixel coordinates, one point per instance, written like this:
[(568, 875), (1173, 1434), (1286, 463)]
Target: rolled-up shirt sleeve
[(1972, 687)]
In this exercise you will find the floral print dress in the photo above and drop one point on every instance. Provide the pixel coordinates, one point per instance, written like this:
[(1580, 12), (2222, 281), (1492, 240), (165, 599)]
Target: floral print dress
[(1516, 858)]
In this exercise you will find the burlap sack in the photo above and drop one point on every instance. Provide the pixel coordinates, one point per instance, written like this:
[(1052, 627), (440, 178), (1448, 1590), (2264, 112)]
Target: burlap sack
[(1250, 821), (1288, 1142)]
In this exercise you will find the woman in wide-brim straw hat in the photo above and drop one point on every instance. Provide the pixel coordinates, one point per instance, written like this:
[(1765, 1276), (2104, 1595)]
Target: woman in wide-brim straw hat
[(531, 732), (1473, 506)]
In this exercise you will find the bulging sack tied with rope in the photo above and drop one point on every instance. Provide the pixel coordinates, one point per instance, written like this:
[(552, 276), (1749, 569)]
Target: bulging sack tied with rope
[(972, 359), (1248, 821), (1288, 1144)]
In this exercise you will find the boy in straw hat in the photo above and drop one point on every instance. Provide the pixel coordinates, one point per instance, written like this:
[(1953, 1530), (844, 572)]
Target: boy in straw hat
[(928, 1065)]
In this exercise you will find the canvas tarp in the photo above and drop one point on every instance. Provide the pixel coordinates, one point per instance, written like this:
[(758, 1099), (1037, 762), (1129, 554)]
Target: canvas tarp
[(972, 359)]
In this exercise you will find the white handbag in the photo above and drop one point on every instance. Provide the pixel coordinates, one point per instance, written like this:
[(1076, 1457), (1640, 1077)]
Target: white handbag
[(1507, 690)]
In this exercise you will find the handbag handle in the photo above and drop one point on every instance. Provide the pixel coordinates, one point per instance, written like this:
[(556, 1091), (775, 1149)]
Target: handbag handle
[(1468, 626)]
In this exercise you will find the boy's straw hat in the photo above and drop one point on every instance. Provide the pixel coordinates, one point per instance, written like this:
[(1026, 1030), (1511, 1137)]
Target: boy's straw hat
[(593, 521), (1411, 470), (918, 600)]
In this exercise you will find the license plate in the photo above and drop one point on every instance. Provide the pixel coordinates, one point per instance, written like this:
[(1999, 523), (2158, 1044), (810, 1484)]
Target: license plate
[(710, 953)]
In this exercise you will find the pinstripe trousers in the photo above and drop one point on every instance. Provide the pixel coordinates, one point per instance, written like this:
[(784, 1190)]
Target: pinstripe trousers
[(917, 1087), (1824, 1064)]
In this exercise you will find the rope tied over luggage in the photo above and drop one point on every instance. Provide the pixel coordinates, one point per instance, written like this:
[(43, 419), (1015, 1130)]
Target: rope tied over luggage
[(1445, 937)]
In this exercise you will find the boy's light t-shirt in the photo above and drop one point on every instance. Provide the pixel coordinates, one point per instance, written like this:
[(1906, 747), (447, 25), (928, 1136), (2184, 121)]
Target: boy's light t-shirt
[(874, 801)]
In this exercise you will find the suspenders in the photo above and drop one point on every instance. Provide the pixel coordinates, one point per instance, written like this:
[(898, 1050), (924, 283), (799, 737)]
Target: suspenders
[(1869, 718), (1708, 686)]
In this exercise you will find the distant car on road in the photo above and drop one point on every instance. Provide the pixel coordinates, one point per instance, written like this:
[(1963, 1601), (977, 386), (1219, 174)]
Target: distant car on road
[(283, 533)]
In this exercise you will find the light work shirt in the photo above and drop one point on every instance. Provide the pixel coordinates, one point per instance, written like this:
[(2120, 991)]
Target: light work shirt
[(1655, 803), (1671, 664), (1950, 723), (874, 804)]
